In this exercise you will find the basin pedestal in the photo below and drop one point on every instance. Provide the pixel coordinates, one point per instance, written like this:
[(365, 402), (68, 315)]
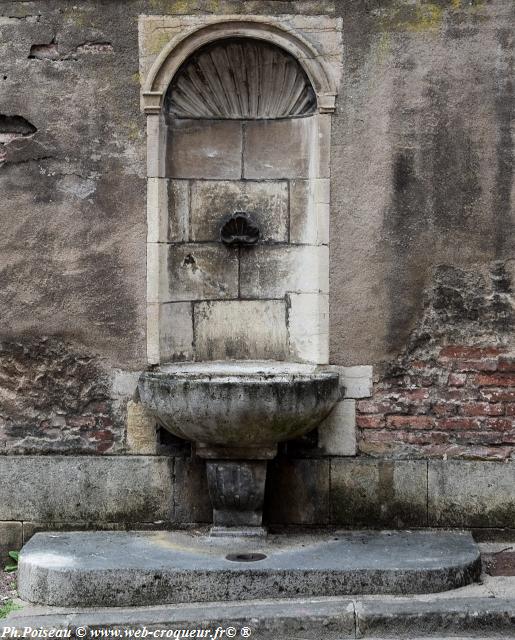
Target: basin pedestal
[(236, 479), (237, 492)]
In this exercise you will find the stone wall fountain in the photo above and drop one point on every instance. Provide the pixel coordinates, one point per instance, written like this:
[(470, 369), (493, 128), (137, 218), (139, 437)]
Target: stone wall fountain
[(238, 269), (239, 117)]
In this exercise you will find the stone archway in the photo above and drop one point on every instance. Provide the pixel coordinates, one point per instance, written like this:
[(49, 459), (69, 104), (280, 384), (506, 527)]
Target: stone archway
[(203, 301)]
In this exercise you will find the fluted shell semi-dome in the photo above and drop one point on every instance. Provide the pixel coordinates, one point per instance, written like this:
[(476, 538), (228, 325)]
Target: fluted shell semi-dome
[(240, 79)]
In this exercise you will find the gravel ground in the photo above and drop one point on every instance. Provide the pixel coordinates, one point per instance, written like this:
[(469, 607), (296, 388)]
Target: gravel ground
[(7, 586)]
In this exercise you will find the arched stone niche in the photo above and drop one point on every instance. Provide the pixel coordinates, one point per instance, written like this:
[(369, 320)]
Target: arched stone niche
[(238, 119)]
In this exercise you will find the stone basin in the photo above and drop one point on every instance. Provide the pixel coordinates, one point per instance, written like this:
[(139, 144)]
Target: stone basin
[(239, 405), (237, 412)]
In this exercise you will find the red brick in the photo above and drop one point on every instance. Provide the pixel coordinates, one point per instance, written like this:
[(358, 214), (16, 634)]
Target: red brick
[(484, 453), (444, 409), (413, 394), (105, 441), (370, 406), (456, 394), (470, 352), (483, 438), (102, 435), (97, 406), (411, 422), (470, 452), (457, 424), (414, 437), (498, 395), (420, 364), (506, 363), (370, 422), (104, 422), (496, 380), (457, 379), (476, 438), (420, 378), (510, 409), (395, 383), (482, 409), (461, 351), (487, 364), (378, 436), (490, 453), (500, 424), (81, 421), (424, 437)]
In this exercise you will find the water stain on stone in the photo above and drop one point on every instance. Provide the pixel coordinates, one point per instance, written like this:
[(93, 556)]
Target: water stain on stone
[(504, 109)]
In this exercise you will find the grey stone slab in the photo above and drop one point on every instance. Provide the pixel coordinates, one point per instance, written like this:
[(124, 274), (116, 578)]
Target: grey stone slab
[(471, 493), (272, 271), (309, 211), (11, 538), (241, 329), (178, 207), (201, 271), (176, 331), (298, 492), (337, 433), (191, 496), (278, 148), (379, 492), (267, 620), (204, 149), (331, 618), (141, 430), (407, 619), (213, 201), (86, 488), (355, 381), (138, 568), (30, 528)]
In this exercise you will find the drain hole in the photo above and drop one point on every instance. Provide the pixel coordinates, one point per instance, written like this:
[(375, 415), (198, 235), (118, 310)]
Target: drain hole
[(245, 557)]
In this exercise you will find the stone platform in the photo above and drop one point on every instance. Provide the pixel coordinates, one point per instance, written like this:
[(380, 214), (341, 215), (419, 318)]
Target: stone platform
[(140, 568)]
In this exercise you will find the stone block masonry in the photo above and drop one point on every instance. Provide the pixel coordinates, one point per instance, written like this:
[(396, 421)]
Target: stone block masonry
[(56, 492), (458, 402)]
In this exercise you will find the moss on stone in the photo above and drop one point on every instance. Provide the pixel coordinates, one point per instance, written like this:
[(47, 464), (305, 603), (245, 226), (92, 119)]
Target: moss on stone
[(8, 607), (401, 16)]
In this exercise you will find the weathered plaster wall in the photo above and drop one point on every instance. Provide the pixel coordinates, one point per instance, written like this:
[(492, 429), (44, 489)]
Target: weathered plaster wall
[(422, 164), (423, 225)]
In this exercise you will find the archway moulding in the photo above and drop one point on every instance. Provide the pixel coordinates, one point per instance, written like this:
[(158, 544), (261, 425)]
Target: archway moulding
[(296, 309), (167, 41)]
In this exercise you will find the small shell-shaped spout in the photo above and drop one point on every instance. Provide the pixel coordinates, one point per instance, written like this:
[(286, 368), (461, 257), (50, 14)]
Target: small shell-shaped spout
[(239, 230)]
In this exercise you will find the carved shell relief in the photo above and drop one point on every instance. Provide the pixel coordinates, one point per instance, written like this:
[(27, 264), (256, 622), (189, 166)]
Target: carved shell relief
[(240, 79)]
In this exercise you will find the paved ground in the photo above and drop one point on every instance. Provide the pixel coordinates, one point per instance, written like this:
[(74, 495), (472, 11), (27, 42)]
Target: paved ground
[(485, 611)]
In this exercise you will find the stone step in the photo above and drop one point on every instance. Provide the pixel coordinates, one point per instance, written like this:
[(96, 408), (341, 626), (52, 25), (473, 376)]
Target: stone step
[(299, 619), (116, 568)]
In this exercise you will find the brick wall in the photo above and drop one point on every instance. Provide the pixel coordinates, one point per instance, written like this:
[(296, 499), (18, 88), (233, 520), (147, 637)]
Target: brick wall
[(458, 402)]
